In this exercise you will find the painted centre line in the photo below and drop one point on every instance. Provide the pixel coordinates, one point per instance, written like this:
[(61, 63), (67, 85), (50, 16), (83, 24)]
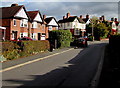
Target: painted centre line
[(29, 62)]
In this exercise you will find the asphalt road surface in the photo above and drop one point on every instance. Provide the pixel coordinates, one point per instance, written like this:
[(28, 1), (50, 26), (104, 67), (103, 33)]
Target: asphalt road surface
[(71, 68)]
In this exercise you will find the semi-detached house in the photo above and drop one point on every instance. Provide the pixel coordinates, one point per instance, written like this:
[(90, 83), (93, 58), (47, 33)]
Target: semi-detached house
[(19, 23), (73, 23), (38, 27)]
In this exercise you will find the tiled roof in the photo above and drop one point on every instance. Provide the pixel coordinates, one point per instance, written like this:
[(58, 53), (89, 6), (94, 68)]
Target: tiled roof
[(8, 12), (85, 19), (32, 14), (70, 19), (47, 20)]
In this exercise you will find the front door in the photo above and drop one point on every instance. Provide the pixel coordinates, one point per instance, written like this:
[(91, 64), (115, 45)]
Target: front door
[(14, 35), (39, 36)]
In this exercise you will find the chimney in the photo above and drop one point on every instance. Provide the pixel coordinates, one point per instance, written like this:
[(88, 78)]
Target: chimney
[(103, 18), (115, 19), (14, 5), (81, 16), (63, 17), (112, 19), (44, 17), (87, 16), (100, 18), (68, 15)]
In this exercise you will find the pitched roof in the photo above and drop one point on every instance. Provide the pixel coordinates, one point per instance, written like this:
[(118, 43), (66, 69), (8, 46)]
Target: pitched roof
[(8, 12), (32, 14), (70, 19), (47, 20), (85, 19)]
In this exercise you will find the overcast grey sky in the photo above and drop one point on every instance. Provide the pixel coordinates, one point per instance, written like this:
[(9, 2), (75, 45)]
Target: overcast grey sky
[(59, 9)]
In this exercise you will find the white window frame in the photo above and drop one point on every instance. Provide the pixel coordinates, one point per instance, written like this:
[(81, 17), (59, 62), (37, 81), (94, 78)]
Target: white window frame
[(76, 31), (24, 22), (34, 25)]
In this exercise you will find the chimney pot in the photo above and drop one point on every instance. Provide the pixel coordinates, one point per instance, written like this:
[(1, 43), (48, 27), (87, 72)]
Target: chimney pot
[(68, 15), (80, 16), (44, 17), (14, 5)]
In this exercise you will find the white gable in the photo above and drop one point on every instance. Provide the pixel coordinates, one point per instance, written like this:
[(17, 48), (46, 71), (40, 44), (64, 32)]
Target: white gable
[(88, 21), (38, 18), (76, 20), (113, 25), (21, 14), (53, 23)]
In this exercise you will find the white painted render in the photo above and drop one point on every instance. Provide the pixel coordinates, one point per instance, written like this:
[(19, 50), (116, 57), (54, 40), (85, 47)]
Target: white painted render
[(114, 26), (22, 14), (38, 18), (53, 23), (72, 25)]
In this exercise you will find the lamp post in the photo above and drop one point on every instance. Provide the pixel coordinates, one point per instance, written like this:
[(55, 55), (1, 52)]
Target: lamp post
[(92, 31)]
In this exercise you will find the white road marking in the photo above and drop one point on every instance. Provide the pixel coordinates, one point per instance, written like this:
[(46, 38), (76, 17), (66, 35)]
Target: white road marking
[(29, 62)]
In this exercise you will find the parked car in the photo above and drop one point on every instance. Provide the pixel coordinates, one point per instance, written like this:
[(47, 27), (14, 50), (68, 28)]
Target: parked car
[(25, 39), (80, 42), (84, 37)]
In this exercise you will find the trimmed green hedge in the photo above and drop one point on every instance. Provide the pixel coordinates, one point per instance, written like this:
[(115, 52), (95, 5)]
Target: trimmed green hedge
[(34, 47), (63, 37), (14, 50)]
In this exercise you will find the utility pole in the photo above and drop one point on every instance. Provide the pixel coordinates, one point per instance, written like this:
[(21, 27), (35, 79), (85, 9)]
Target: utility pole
[(92, 31)]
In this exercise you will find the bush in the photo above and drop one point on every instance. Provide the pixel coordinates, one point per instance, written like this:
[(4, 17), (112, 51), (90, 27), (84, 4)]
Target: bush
[(15, 50), (14, 54), (9, 46), (63, 37), (34, 47)]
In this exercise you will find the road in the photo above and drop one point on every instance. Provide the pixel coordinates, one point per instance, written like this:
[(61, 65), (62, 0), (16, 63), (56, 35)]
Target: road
[(71, 68)]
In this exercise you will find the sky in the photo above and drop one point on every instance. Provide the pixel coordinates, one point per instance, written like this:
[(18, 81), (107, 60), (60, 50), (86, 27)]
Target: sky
[(59, 8)]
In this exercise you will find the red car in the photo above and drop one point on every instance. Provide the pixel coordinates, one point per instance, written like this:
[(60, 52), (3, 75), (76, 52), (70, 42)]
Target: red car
[(25, 39)]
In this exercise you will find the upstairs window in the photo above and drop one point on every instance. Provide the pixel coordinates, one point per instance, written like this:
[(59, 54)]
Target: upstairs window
[(34, 25), (14, 22), (24, 23)]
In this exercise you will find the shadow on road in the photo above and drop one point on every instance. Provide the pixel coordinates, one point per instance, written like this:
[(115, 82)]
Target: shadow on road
[(78, 72)]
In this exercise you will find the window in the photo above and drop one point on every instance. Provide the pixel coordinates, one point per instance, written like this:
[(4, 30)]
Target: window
[(34, 25), (24, 23), (68, 24), (76, 32), (21, 35), (14, 22), (50, 28)]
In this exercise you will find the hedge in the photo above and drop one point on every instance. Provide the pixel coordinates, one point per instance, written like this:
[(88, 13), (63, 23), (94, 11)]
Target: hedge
[(63, 37), (14, 50), (114, 41), (34, 47)]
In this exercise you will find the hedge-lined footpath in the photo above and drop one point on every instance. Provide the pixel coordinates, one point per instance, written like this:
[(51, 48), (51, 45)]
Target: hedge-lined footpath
[(14, 50)]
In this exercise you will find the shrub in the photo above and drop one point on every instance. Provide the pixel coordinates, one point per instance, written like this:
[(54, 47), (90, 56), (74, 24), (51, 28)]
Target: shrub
[(9, 46), (34, 47), (15, 50), (63, 37), (11, 54)]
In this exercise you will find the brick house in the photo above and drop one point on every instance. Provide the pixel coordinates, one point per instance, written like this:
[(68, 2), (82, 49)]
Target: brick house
[(52, 23), (15, 19), (37, 25), (73, 23), (19, 23)]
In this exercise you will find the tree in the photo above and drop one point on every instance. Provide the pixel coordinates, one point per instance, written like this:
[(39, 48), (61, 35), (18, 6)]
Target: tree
[(100, 31)]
